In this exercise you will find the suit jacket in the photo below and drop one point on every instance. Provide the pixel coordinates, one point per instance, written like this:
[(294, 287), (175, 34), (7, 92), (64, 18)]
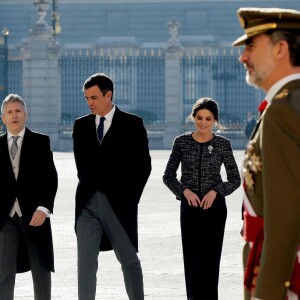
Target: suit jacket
[(275, 194), (119, 167), (35, 186)]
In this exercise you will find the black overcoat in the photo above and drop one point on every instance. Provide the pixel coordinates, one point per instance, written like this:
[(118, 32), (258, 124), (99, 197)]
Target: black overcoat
[(119, 167), (35, 186)]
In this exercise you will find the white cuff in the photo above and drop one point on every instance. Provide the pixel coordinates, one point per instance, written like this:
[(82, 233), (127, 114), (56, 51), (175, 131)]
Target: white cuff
[(45, 210)]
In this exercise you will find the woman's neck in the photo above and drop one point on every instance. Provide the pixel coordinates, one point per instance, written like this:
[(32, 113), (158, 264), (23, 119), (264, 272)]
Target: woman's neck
[(202, 138)]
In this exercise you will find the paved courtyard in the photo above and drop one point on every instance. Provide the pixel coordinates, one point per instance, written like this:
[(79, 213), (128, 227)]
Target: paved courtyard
[(159, 243)]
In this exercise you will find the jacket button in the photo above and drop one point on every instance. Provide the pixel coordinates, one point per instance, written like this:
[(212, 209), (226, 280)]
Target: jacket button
[(287, 284)]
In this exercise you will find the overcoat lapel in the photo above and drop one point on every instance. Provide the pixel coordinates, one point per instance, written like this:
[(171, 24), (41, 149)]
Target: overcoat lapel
[(25, 150), (6, 163)]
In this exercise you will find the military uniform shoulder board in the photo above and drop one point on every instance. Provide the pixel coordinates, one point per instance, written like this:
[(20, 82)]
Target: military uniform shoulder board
[(282, 94)]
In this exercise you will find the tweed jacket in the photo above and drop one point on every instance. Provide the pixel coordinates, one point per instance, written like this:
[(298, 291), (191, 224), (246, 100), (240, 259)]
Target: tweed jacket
[(272, 186), (201, 166)]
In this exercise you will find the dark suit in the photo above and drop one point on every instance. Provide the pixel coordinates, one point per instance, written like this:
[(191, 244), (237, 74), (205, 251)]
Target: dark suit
[(275, 194), (119, 167), (112, 175), (36, 185)]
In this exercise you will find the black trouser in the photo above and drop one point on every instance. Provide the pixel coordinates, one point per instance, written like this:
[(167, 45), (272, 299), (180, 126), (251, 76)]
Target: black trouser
[(202, 240)]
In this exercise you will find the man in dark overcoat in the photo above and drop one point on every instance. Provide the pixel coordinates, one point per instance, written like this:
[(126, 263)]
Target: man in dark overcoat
[(113, 164), (272, 160), (28, 185)]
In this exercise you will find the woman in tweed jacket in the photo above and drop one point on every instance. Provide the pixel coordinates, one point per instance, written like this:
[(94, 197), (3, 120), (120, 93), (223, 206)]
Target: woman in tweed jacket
[(202, 193)]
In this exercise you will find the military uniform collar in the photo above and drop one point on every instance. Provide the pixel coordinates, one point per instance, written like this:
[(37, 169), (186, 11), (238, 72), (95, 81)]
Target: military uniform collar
[(278, 85)]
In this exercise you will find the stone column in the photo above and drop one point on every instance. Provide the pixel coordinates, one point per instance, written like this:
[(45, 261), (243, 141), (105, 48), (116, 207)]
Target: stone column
[(173, 87), (41, 77)]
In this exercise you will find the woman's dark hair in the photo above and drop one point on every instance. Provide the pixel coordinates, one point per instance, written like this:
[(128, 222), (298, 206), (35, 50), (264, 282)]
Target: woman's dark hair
[(206, 103)]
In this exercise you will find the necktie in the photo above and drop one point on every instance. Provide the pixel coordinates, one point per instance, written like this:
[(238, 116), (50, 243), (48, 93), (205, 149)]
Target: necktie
[(100, 129), (14, 146), (262, 106)]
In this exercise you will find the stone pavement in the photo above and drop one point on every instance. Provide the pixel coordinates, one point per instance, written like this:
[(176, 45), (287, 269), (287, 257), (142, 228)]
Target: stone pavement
[(159, 243)]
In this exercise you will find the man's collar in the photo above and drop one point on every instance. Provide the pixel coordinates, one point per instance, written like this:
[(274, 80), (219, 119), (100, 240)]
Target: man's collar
[(21, 134), (108, 116)]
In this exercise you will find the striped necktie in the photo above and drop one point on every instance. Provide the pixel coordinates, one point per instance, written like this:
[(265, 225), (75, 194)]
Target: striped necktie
[(100, 129), (14, 146)]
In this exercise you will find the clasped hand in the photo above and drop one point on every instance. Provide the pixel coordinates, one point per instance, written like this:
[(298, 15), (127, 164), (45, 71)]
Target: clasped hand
[(194, 200)]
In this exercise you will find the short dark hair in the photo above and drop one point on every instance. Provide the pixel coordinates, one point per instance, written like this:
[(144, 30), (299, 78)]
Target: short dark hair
[(104, 83), (292, 37)]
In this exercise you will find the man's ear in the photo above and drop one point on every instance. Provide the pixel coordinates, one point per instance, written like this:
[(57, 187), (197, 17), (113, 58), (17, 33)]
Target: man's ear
[(109, 93), (3, 121), (282, 49)]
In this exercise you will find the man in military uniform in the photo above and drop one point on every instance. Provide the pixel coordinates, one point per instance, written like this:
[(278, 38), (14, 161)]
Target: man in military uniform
[(272, 160)]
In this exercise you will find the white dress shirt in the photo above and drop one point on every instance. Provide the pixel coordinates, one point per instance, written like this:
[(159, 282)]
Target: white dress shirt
[(107, 121)]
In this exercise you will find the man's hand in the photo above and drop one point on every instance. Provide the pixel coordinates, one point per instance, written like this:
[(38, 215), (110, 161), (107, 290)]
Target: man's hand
[(38, 218)]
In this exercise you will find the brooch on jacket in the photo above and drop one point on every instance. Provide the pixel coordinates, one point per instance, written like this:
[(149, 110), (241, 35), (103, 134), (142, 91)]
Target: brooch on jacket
[(251, 164), (210, 149)]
